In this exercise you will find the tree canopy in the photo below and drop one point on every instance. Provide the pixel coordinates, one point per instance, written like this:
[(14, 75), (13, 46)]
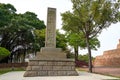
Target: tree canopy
[(90, 17), (23, 33), (17, 31), (61, 41)]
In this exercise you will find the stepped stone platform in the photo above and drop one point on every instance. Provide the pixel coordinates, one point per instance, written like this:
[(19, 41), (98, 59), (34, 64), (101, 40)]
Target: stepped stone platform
[(110, 58), (51, 68), (51, 62)]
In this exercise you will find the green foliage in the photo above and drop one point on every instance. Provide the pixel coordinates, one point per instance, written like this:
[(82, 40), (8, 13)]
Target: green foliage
[(17, 30), (75, 39), (84, 57), (90, 17), (4, 53), (6, 13), (61, 41), (39, 39)]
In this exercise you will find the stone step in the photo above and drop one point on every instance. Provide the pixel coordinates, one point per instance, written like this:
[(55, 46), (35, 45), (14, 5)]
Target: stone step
[(50, 73), (51, 68)]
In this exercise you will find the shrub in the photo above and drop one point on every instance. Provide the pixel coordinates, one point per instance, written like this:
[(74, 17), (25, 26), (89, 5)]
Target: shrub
[(4, 53)]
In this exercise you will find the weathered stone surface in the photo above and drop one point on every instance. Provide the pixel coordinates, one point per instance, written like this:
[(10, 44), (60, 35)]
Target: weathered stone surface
[(43, 63), (67, 68), (51, 63), (57, 68), (50, 40), (62, 73), (70, 63), (33, 63), (52, 73), (29, 68), (35, 68), (50, 50), (31, 73), (42, 73), (47, 68), (51, 55), (51, 68), (110, 58)]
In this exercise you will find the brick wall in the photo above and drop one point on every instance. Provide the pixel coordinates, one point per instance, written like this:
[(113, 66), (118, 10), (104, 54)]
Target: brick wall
[(17, 65), (109, 58)]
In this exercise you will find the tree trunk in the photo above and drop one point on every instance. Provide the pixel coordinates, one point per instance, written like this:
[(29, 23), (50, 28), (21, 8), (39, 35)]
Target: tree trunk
[(11, 57), (89, 53), (24, 54), (76, 53)]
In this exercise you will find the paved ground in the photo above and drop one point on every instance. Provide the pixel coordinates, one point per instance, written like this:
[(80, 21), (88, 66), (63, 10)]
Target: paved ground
[(108, 70), (82, 76), (113, 71)]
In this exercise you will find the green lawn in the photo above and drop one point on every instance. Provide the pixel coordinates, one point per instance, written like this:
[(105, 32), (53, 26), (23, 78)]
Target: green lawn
[(5, 70)]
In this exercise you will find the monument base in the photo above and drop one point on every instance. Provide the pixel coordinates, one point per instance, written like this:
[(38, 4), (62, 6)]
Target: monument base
[(51, 62), (51, 53), (50, 68)]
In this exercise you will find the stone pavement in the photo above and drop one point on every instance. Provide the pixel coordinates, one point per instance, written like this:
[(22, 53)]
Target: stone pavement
[(18, 75)]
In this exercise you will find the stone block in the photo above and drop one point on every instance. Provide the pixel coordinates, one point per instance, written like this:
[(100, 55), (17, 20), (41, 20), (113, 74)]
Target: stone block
[(33, 63), (28, 68), (40, 67), (50, 63), (30, 74), (50, 50), (71, 73), (57, 68), (66, 68), (43, 63), (42, 73), (52, 73), (47, 67), (35, 68), (70, 63), (60, 63), (62, 73), (51, 55)]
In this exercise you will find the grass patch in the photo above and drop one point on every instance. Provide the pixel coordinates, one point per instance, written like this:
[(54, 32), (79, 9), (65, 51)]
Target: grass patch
[(5, 70)]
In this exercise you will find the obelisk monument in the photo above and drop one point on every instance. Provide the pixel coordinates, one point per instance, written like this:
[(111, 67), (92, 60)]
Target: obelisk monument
[(50, 51), (50, 40), (51, 61)]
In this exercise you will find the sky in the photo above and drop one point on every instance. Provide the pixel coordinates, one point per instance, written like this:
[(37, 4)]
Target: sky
[(109, 38)]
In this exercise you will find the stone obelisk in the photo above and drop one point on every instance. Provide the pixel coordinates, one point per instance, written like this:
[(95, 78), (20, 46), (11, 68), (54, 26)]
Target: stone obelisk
[(51, 61), (50, 51), (50, 40)]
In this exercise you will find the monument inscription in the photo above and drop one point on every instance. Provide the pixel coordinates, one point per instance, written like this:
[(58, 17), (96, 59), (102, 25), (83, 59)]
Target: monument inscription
[(50, 40)]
